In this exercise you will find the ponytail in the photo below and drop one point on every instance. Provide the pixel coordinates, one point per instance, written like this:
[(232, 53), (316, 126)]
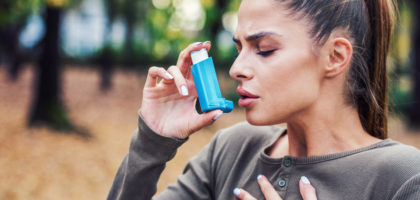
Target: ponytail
[(370, 24), (382, 19)]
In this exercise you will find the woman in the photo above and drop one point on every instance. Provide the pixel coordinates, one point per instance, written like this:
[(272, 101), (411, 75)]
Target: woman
[(320, 67)]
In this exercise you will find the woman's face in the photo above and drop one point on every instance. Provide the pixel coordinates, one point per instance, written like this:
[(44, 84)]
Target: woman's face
[(278, 67)]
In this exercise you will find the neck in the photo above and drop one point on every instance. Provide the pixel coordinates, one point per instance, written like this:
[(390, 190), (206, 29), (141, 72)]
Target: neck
[(326, 130), (327, 126)]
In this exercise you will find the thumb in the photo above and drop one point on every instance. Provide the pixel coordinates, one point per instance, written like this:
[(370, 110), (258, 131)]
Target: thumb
[(206, 119), (306, 189)]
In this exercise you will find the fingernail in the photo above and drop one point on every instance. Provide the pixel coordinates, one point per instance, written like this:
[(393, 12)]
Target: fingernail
[(197, 43), (217, 116), (236, 191), (305, 180), (168, 75), (259, 176), (207, 42), (184, 91)]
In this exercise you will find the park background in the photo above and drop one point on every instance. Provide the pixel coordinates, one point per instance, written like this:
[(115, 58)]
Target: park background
[(72, 71)]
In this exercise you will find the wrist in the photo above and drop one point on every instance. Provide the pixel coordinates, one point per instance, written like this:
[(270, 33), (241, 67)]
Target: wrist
[(154, 128), (144, 129)]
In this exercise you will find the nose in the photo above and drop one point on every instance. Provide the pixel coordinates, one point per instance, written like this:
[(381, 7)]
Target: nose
[(240, 70)]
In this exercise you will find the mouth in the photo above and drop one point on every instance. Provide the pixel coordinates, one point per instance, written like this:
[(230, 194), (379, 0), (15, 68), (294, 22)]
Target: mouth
[(247, 98)]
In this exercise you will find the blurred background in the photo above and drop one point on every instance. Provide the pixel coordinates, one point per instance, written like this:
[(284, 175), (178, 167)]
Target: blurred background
[(72, 71)]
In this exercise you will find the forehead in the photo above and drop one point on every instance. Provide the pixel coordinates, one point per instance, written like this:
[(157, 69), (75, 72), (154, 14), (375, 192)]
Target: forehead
[(266, 15)]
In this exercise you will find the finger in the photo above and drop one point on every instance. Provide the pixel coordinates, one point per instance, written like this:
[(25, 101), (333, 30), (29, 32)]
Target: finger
[(154, 73), (307, 191), (242, 194), (207, 45), (206, 119), (184, 58), (267, 189), (180, 82)]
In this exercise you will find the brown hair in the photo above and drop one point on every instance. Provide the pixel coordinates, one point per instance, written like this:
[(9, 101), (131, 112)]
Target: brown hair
[(369, 23)]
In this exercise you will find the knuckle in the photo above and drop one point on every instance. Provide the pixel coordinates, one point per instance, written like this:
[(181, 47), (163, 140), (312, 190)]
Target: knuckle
[(152, 68), (172, 68), (152, 71), (182, 54), (192, 45)]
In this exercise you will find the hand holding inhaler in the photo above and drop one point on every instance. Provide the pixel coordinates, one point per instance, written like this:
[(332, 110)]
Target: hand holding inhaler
[(168, 105)]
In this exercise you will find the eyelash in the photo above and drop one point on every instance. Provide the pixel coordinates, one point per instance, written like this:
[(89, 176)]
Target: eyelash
[(265, 53), (261, 53)]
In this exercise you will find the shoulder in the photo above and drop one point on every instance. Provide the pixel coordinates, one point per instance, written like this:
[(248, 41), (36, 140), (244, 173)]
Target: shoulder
[(398, 155), (396, 161), (409, 190), (400, 163)]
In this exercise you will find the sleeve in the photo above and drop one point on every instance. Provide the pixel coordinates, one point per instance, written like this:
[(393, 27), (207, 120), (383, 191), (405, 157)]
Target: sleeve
[(140, 170), (410, 190), (198, 178)]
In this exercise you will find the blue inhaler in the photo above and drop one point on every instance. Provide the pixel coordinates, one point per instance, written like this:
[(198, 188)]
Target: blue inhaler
[(206, 83)]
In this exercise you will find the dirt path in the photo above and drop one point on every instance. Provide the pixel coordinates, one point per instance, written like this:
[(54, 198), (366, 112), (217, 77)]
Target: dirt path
[(40, 164)]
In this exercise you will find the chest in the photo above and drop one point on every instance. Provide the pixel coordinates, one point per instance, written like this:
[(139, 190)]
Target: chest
[(332, 181)]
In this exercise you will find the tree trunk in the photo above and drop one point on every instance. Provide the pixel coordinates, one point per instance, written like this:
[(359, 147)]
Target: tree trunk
[(106, 60), (106, 69), (10, 47), (415, 106), (130, 14), (217, 25), (47, 107)]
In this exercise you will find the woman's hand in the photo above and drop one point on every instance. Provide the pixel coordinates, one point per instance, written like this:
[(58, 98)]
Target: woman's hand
[(306, 190), (168, 105)]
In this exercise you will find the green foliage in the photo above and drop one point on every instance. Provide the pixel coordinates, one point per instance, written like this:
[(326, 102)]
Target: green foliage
[(400, 87), (16, 11), (166, 29)]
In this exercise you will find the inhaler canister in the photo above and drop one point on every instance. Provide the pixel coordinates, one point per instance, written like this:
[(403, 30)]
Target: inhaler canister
[(206, 83)]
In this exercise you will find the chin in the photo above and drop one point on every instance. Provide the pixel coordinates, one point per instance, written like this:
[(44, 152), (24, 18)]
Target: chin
[(258, 120), (262, 118)]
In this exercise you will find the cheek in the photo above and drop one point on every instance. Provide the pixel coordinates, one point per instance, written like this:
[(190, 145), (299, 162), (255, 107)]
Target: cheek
[(292, 86), (292, 75)]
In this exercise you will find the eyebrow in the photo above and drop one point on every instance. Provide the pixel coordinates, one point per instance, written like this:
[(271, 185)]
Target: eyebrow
[(254, 37)]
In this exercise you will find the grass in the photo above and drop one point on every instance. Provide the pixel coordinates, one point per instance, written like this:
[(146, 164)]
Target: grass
[(38, 163)]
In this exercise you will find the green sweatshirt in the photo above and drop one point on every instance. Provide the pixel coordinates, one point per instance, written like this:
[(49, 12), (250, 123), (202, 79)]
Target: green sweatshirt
[(236, 155)]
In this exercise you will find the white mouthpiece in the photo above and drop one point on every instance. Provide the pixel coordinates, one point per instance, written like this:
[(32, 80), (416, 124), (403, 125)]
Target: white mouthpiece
[(198, 56)]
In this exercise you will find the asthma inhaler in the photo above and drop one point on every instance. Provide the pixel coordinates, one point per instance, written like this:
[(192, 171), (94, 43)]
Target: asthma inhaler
[(206, 83)]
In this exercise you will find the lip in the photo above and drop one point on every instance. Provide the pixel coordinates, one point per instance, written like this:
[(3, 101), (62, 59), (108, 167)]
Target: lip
[(247, 98)]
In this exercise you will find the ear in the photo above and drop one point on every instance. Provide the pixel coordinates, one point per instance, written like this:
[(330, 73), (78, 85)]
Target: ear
[(340, 54)]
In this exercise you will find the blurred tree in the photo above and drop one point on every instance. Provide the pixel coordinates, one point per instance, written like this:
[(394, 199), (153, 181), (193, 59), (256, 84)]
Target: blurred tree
[(47, 106), (216, 24), (13, 15), (9, 38), (130, 12), (133, 12), (399, 71), (415, 106), (106, 60)]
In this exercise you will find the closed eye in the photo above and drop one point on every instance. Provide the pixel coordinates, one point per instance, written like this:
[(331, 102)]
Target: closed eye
[(265, 53)]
